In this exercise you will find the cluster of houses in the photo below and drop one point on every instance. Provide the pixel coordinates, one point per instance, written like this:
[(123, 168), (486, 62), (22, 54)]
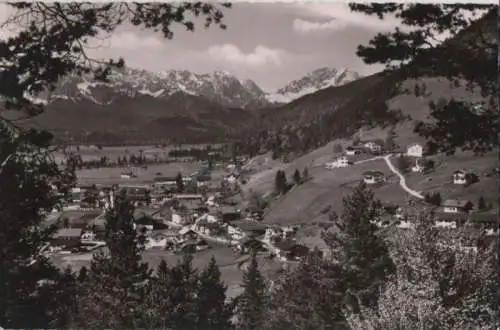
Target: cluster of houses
[(171, 219), (187, 225), (375, 147)]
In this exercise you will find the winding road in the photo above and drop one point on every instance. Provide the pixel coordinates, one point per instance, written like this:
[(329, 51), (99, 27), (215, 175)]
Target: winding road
[(402, 180)]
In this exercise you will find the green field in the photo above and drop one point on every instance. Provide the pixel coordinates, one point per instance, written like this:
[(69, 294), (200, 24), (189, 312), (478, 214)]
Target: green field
[(305, 203), (108, 175)]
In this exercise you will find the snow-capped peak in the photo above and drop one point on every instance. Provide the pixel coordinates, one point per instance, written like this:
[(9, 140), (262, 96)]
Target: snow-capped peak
[(313, 81), (219, 86)]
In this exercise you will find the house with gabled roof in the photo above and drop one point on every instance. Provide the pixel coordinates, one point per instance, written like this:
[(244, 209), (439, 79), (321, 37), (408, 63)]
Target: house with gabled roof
[(291, 250), (373, 177), (454, 206), (351, 151), (373, 146), (414, 150), (460, 177)]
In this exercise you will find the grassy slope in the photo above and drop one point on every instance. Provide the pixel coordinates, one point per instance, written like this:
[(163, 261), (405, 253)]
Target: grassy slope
[(305, 203)]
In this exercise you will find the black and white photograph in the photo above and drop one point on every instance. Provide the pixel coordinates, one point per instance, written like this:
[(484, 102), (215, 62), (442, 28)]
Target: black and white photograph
[(249, 165)]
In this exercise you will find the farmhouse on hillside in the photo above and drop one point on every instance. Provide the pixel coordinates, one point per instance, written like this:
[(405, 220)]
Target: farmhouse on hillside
[(414, 150), (290, 250), (460, 177), (373, 146), (350, 151), (454, 206), (373, 177), (339, 162)]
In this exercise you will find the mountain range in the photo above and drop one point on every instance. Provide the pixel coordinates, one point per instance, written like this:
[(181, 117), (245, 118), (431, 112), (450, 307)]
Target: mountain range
[(138, 106), (220, 87)]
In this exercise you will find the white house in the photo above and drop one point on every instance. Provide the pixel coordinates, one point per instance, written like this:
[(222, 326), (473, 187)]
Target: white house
[(234, 232), (272, 232), (178, 219), (350, 151), (460, 177), (414, 150), (87, 236), (454, 206), (373, 146), (339, 162), (127, 175), (231, 178)]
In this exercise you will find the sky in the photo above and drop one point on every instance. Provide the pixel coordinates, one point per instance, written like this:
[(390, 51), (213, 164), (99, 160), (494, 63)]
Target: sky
[(269, 43)]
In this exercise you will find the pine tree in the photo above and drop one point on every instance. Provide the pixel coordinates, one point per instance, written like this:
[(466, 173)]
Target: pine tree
[(296, 177), (362, 255), (184, 279), (179, 182), (114, 290), (481, 204), (213, 312), (251, 305), (27, 171), (64, 304), (307, 297), (171, 301), (280, 182), (305, 174), (158, 302), (284, 186), (470, 55), (390, 143), (468, 206), (402, 163)]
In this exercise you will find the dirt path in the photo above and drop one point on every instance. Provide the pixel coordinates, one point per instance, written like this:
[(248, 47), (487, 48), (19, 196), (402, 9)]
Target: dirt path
[(402, 179)]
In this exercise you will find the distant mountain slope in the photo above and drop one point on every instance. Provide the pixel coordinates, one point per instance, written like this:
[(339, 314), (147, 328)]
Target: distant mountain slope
[(220, 87), (313, 82), (177, 118)]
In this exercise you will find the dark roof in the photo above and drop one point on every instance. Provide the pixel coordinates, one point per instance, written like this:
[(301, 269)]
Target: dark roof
[(289, 245), (144, 220)]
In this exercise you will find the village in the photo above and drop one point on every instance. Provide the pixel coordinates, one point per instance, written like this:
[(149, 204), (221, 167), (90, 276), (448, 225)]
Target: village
[(197, 212)]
